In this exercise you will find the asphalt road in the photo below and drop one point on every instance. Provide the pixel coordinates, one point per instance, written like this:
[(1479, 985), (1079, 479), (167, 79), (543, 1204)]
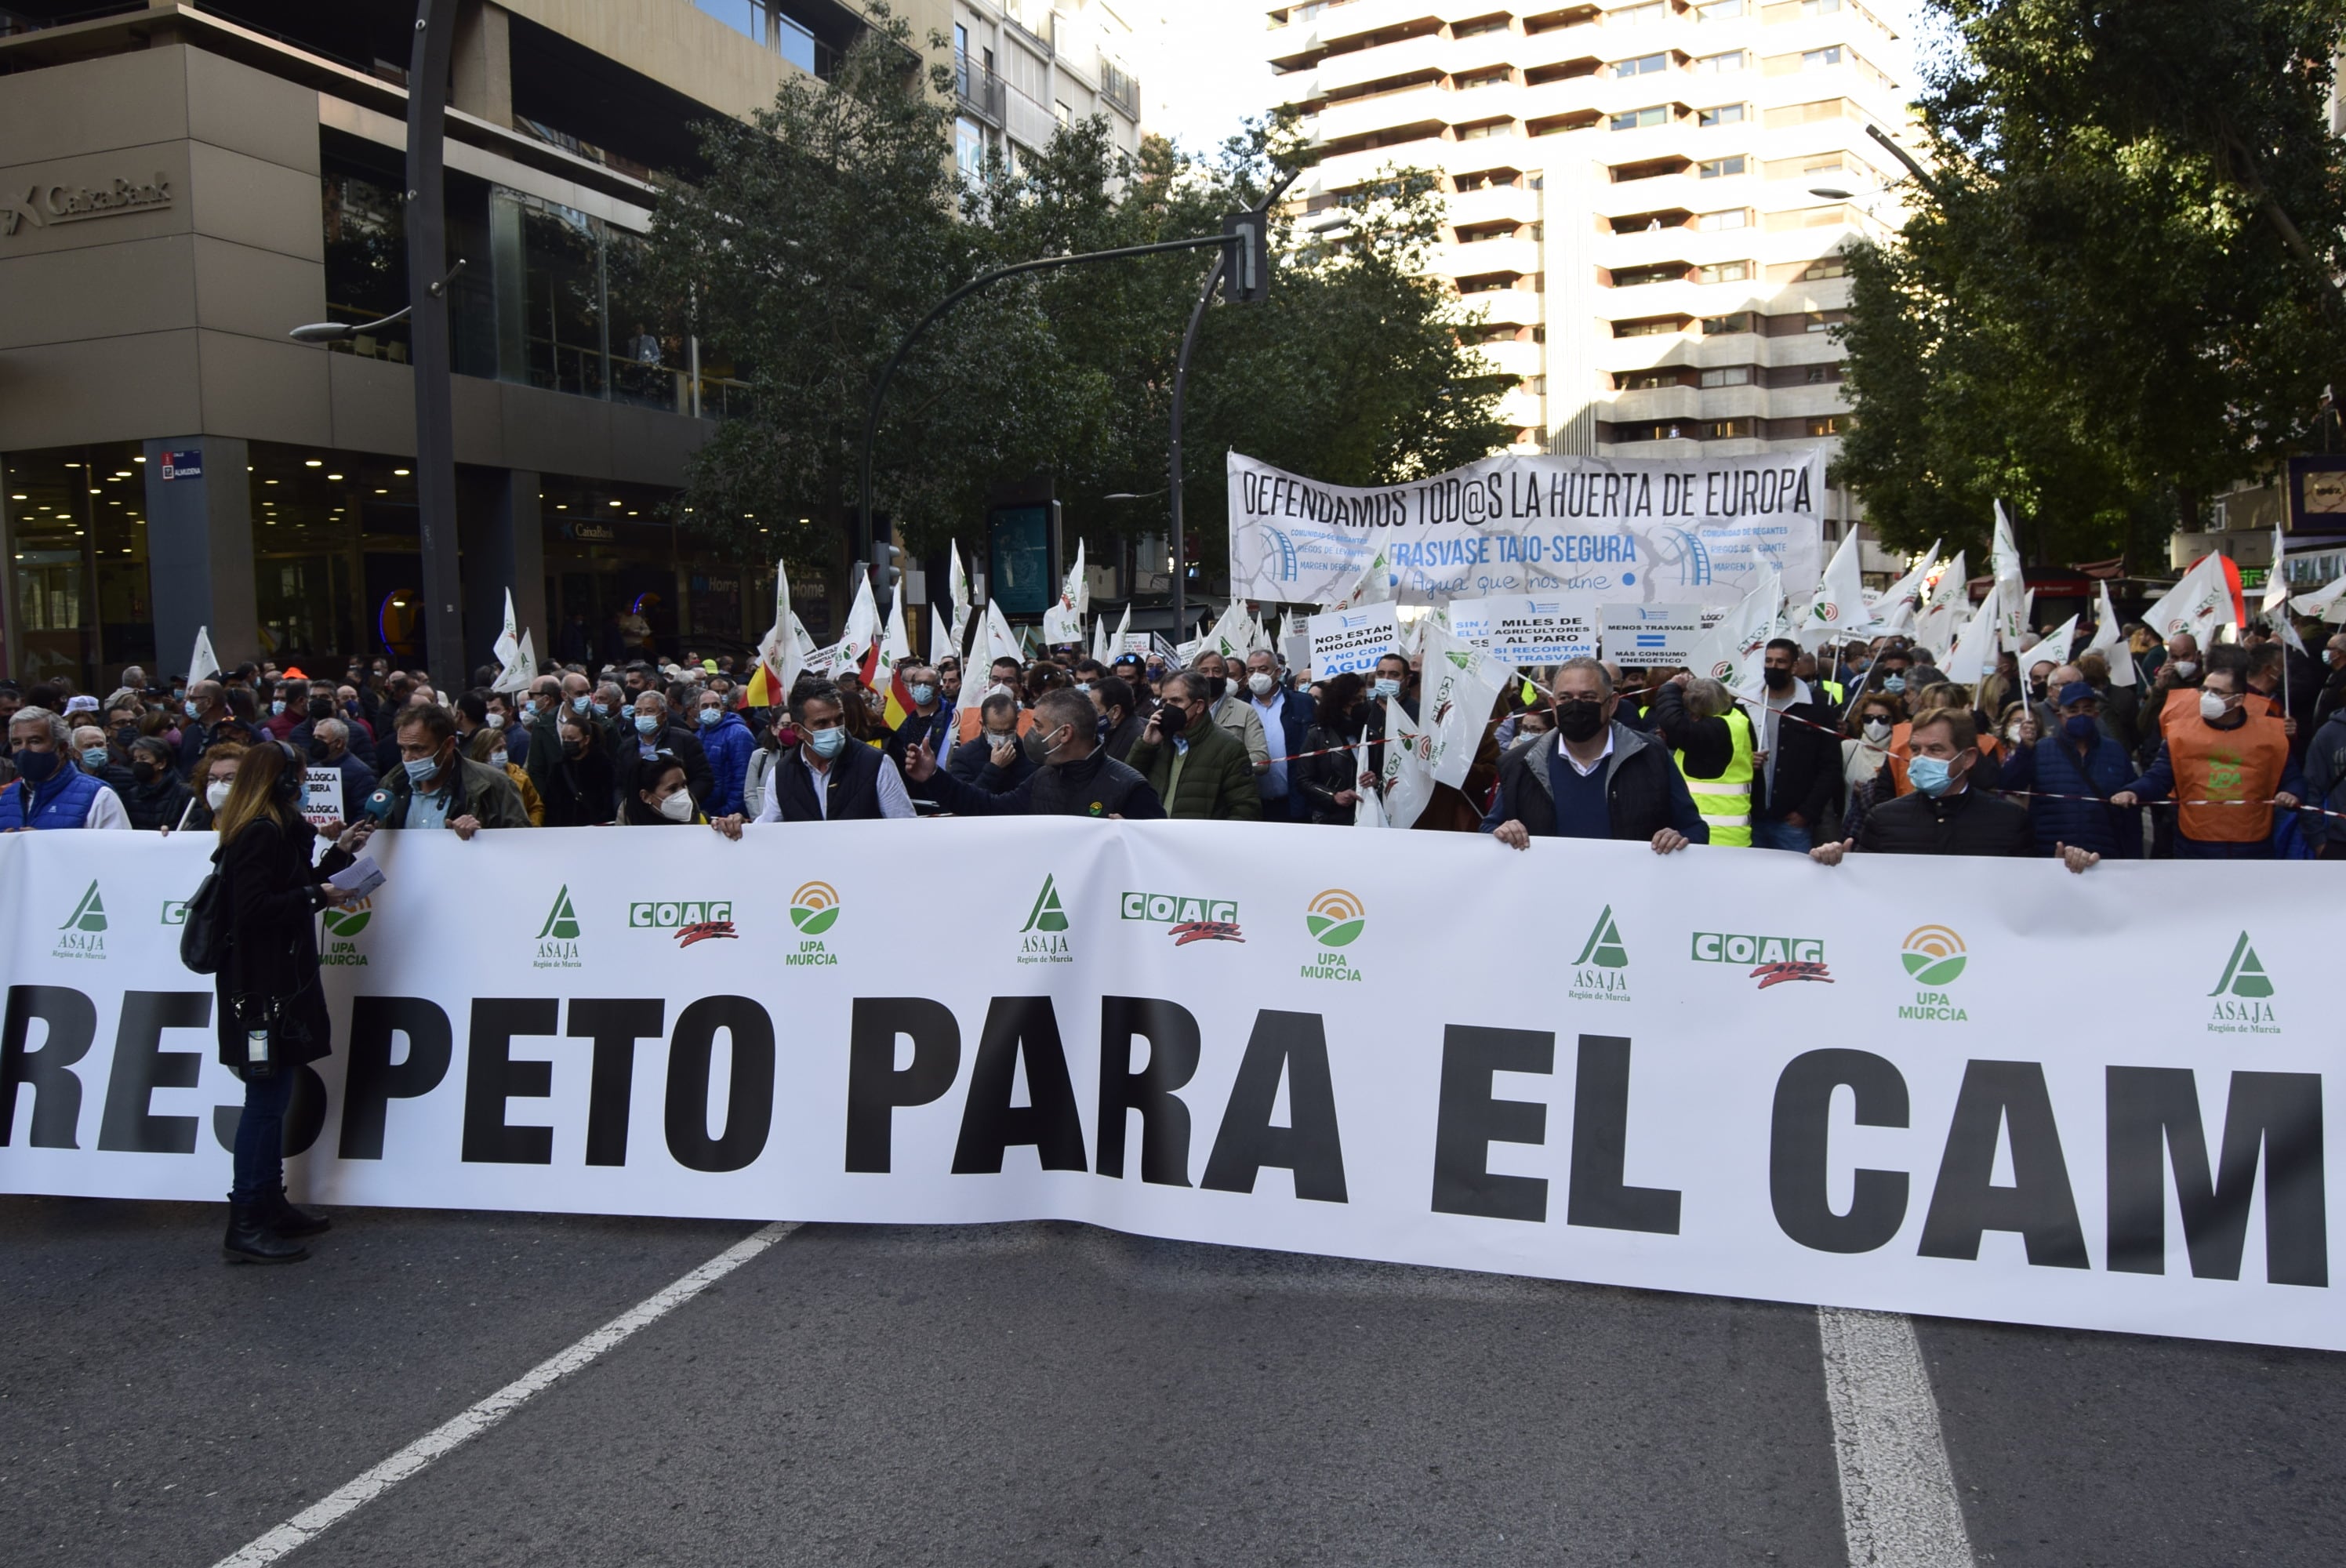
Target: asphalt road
[(1052, 1394)]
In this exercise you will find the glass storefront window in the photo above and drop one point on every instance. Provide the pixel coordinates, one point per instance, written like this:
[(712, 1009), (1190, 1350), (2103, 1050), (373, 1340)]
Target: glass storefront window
[(335, 555), (77, 569)]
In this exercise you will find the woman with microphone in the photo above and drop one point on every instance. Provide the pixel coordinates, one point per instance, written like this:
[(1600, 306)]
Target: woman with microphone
[(272, 1012)]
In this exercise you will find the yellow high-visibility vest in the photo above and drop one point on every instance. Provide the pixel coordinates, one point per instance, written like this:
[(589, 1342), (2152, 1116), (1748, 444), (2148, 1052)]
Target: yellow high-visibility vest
[(1725, 801)]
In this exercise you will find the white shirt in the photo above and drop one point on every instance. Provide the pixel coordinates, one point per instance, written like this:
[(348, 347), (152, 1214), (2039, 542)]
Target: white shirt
[(1562, 751), (106, 809), (893, 801)]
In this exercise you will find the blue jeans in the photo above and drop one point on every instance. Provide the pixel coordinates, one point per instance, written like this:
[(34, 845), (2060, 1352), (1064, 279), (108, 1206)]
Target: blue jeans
[(1798, 838), (261, 1136)]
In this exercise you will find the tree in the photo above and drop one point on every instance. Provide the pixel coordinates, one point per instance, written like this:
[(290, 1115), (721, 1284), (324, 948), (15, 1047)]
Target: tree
[(823, 228), (2116, 295)]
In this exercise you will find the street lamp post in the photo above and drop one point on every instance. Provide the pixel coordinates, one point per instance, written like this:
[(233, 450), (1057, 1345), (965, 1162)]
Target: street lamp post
[(427, 255)]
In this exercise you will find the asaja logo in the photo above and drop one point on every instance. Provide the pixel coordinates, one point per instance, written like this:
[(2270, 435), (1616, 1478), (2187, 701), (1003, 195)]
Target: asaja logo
[(1335, 919), (2243, 995), (1191, 918), (557, 936), (341, 926), (1934, 956), (815, 909), (1044, 938), (1598, 974), (84, 934)]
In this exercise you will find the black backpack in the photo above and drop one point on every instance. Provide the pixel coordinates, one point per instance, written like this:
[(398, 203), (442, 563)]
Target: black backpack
[(203, 937)]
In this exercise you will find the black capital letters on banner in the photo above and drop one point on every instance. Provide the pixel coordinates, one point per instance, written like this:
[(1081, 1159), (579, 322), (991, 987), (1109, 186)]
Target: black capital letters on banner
[(1295, 1045), (72, 1020), (374, 1080), (141, 1066), (1798, 1155), (1599, 1197), (875, 1088), (749, 1101), (1173, 1049), (990, 1124), (1997, 1096), (614, 1026), (1470, 1120), (2156, 1110), (492, 1078)]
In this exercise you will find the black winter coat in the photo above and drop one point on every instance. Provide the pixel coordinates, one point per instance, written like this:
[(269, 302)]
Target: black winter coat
[(1971, 823), (270, 901)]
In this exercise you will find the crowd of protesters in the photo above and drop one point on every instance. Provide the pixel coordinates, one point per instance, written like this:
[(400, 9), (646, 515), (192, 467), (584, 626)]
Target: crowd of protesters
[(2237, 751)]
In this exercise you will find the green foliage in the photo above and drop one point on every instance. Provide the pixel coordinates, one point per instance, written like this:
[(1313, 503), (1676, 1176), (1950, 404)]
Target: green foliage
[(2115, 298), (835, 221)]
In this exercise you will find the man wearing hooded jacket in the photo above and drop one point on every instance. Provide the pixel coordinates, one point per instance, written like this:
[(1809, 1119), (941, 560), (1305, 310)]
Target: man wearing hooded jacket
[(1592, 777), (1798, 758)]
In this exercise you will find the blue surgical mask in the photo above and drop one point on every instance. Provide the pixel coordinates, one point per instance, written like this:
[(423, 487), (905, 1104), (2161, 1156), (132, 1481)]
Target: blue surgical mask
[(1894, 683), (1929, 774), (648, 724), (827, 742), (1386, 686), (603, 709), (276, 708), (579, 705), (94, 758), (420, 769), (192, 710), (710, 716), (924, 694)]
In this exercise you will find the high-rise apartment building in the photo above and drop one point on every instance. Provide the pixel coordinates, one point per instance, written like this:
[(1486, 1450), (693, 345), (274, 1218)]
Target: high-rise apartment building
[(1022, 68), (1647, 201)]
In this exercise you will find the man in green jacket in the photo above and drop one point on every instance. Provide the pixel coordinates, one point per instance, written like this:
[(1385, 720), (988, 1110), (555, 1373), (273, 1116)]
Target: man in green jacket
[(435, 786), (1198, 768)]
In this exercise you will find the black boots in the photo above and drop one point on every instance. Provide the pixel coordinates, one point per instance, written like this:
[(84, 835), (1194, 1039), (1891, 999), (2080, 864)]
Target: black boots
[(251, 1240), (278, 1212)]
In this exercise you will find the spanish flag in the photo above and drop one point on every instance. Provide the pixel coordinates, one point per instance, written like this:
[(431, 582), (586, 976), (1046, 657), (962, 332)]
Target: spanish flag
[(881, 669)]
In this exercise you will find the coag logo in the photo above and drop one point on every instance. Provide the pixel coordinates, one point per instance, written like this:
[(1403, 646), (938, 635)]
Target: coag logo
[(814, 908), (665, 914), (561, 920), (1048, 915), (175, 912), (88, 916), (349, 920), (2243, 995), (1933, 955), (1191, 918), (1335, 918), (1774, 959)]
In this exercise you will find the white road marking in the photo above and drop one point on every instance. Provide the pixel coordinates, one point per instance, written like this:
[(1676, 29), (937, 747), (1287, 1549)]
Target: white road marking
[(346, 1499), (1898, 1502)]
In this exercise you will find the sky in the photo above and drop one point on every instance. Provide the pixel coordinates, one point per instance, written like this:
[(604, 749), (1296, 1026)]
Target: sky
[(1202, 70)]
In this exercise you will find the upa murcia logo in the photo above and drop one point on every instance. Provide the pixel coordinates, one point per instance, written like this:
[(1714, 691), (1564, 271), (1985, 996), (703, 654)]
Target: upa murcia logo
[(1935, 955), (558, 935), (1192, 919), (1044, 938), (83, 935), (1335, 920), (342, 926), (1601, 973), (1774, 959), (815, 909), (690, 920), (2242, 1000)]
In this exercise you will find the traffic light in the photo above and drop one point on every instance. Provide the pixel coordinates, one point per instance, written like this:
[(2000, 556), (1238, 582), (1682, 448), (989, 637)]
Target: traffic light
[(1246, 273), (887, 563)]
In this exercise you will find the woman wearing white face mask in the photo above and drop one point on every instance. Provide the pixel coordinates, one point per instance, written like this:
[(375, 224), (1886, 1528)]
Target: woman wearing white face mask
[(1866, 751), (215, 773), (662, 799)]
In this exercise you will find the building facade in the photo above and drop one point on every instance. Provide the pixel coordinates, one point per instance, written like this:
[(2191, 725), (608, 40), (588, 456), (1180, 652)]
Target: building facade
[(1022, 68), (1647, 201), (181, 186)]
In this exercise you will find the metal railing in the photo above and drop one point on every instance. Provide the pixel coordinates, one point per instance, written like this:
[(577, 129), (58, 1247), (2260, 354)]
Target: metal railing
[(979, 89), (1119, 86)]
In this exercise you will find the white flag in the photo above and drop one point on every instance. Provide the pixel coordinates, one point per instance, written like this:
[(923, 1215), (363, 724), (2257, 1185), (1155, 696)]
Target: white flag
[(1369, 810), (864, 629), (1730, 652), (2276, 581), (1123, 630), (202, 663), (513, 674), (1099, 639), (2199, 604), (958, 585), (780, 651), (2055, 647), (1001, 642), (1460, 686), (1076, 593), (2315, 604), (1908, 589), (2110, 643), (1374, 585), (1974, 653), (1233, 634), (1839, 604), (1409, 768), (1949, 608), (942, 641), (2011, 592), (895, 642)]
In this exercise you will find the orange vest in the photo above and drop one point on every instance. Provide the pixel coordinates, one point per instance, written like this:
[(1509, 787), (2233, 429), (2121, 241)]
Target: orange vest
[(967, 721), (2184, 701), (2211, 764)]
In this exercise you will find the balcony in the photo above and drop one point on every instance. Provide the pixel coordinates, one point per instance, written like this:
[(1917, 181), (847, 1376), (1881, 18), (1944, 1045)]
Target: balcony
[(1653, 403), (1513, 359), (1425, 105), (1120, 88), (1493, 204), (1503, 307), (1484, 257), (981, 92)]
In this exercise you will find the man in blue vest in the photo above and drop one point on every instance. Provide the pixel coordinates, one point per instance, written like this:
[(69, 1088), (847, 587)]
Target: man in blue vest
[(50, 792)]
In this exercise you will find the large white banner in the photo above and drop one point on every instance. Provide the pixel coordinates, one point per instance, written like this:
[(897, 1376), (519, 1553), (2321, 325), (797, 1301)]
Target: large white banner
[(1601, 531), (1980, 1088)]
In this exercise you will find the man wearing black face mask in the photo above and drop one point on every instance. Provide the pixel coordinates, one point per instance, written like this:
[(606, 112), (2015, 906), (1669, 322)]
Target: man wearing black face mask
[(1076, 778), (329, 746), (1799, 760), (156, 798), (1591, 778), (2069, 775)]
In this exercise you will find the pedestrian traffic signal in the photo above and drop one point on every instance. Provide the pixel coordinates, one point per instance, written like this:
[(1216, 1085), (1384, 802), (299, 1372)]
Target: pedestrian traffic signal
[(1246, 270), (887, 568)]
